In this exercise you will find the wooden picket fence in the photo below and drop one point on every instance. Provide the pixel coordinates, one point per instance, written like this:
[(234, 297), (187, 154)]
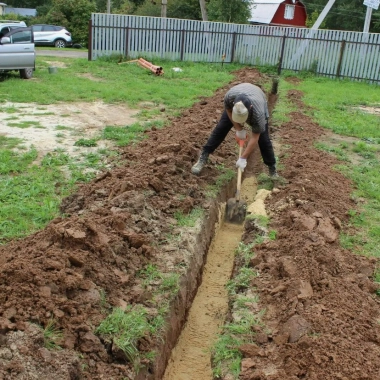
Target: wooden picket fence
[(331, 53)]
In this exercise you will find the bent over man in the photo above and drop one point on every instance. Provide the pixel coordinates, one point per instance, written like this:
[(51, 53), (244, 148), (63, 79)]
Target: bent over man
[(245, 105)]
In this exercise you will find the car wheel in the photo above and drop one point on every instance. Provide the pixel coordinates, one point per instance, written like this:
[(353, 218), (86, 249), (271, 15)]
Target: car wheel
[(26, 73), (60, 43)]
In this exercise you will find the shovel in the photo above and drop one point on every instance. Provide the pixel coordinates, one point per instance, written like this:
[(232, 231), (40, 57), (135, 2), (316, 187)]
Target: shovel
[(237, 209)]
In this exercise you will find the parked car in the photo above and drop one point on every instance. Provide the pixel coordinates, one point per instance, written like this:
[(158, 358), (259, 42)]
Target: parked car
[(51, 35), (17, 52), (7, 25)]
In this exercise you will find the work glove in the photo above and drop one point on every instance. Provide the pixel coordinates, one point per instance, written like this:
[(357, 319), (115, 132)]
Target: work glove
[(241, 135), (241, 163)]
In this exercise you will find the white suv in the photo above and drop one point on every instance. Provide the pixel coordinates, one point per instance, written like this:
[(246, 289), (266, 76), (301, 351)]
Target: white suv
[(51, 35), (17, 52)]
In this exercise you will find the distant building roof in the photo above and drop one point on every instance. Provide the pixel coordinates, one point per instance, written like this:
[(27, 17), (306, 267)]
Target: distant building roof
[(262, 11), (21, 11)]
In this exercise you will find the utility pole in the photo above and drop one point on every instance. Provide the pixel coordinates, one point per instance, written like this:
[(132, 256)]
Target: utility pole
[(108, 6), (202, 3), (323, 14), (163, 8), (312, 31), (367, 21)]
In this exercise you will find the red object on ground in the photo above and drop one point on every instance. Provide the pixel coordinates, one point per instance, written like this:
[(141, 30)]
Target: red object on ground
[(157, 70)]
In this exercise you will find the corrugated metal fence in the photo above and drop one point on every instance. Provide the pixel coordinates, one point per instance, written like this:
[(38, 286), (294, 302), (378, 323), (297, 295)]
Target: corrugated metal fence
[(327, 52)]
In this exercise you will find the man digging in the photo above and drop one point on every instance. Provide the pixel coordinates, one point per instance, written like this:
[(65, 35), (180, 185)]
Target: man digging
[(245, 105)]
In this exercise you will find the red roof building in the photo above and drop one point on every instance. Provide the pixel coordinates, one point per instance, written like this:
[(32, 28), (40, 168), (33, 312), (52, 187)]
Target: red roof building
[(278, 12)]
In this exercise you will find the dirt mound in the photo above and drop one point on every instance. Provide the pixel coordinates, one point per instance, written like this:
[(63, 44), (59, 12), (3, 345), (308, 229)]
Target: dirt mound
[(81, 265), (322, 311)]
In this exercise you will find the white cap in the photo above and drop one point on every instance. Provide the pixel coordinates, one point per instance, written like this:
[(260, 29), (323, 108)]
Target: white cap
[(239, 113)]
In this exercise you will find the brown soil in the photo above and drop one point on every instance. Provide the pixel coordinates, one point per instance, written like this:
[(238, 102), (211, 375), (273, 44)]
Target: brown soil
[(322, 315)]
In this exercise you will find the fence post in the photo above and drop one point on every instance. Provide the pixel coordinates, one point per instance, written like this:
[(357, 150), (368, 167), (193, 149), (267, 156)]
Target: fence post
[(233, 46), (281, 55), (182, 43), (340, 58), (126, 41), (89, 53)]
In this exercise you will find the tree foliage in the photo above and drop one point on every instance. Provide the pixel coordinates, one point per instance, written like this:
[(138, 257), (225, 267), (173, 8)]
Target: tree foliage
[(343, 15), (149, 8), (236, 11), (187, 9)]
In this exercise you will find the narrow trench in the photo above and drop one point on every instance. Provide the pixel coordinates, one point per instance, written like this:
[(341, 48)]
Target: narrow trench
[(191, 357)]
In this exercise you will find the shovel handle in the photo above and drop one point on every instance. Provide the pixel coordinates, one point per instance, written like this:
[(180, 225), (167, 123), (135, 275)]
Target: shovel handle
[(238, 186)]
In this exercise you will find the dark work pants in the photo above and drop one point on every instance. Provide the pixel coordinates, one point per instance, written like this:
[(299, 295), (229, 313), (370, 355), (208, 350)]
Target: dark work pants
[(224, 126)]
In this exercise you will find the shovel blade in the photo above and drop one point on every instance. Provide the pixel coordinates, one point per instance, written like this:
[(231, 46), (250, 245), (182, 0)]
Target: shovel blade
[(236, 211)]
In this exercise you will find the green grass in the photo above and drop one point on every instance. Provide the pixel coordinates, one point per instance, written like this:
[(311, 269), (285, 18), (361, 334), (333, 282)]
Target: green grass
[(86, 142), (226, 175), (7, 144), (188, 220), (245, 274), (335, 106), (26, 124), (30, 194), (124, 136), (36, 184), (226, 356), (52, 335), (125, 83), (9, 109), (125, 329), (339, 151), (284, 106)]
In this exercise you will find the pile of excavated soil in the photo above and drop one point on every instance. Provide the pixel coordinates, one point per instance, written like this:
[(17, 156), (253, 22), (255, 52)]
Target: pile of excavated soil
[(322, 315)]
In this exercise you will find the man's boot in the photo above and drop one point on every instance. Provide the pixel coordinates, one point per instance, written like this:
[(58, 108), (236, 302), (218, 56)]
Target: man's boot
[(198, 166), (272, 171)]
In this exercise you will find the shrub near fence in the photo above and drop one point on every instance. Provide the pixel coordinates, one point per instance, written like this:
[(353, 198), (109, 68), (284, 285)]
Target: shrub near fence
[(327, 52)]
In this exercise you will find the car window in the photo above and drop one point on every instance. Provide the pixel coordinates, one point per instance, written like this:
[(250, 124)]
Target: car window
[(4, 31), (37, 28), (21, 37), (48, 28)]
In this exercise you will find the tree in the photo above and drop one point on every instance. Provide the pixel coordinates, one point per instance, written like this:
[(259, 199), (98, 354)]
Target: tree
[(236, 11), (148, 8), (74, 15), (28, 3), (187, 9), (347, 15), (312, 19), (125, 7)]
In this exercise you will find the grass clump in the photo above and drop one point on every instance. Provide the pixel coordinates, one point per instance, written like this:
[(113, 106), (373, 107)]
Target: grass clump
[(226, 356), (242, 280), (188, 220), (52, 335), (226, 175), (339, 151), (124, 328), (26, 124), (86, 142)]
